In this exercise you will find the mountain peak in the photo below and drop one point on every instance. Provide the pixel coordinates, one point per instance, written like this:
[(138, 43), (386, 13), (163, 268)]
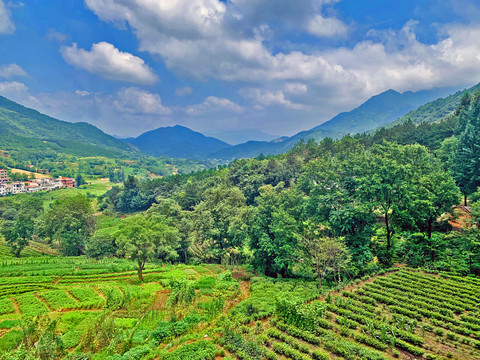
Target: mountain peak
[(177, 141)]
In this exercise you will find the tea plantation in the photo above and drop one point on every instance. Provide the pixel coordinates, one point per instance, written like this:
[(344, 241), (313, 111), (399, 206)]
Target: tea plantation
[(99, 310), (401, 314)]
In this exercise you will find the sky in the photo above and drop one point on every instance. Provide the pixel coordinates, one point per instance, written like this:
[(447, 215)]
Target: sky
[(236, 69)]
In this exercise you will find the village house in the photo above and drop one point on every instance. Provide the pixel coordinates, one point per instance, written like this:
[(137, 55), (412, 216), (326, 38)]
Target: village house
[(3, 176), (31, 186)]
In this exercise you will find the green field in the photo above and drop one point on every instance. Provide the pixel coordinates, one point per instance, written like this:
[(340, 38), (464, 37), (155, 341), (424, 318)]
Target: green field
[(203, 312), (78, 292), (93, 189)]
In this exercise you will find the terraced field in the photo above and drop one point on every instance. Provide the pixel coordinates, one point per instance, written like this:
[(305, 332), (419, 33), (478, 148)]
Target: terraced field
[(403, 314), (78, 292), (205, 313)]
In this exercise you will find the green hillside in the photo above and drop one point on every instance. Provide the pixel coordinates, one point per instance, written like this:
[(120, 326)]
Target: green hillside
[(438, 109), (21, 127)]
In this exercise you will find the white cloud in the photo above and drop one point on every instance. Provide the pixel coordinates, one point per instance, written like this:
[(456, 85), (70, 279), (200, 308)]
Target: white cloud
[(11, 71), (264, 98), (6, 24), (83, 93), (326, 26), (55, 35), (12, 87), (107, 61), (183, 91), (213, 103), (295, 88), (136, 101), (17, 91)]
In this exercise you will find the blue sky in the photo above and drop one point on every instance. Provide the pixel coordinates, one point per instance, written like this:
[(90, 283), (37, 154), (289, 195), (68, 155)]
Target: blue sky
[(236, 69)]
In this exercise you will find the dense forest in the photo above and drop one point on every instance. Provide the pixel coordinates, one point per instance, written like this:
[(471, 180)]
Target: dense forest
[(329, 210)]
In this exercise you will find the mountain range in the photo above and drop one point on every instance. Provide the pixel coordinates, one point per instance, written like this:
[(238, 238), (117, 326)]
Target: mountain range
[(21, 127), (376, 112)]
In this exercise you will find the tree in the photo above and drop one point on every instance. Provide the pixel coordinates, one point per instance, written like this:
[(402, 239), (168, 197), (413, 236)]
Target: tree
[(79, 179), (385, 184), (355, 224), (273, 230), (19, 221), (219, 219), (323, 253), (142, 238), (70, 221), (18, 232), (436, 191), (467, 156)]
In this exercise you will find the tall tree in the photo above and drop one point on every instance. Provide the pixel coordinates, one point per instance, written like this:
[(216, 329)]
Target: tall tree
[(384, 183), (273, 230), (219, 219), (467, 156), (70, 221), (142, 238), (323, 253)]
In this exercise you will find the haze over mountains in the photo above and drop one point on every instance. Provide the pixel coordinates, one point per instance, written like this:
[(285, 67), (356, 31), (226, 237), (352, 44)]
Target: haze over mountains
[(20, 125)]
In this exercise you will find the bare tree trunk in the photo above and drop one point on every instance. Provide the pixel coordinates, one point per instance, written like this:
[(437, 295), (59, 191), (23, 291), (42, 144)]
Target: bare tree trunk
[(140, 271), (387, 225), (430, 225)]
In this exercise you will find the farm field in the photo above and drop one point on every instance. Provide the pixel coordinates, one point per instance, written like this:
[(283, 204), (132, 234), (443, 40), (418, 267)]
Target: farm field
[(205, 312), (78, 294), (403, 314), (93, 189)]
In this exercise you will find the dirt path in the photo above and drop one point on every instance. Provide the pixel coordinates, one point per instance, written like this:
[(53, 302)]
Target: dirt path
[(44, 302), (15, 305), (72, 297)]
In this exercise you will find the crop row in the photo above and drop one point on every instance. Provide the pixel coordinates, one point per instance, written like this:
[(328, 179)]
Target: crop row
[(430, 294), (370, 323), (429, 304), (411, 311), (471, 294)]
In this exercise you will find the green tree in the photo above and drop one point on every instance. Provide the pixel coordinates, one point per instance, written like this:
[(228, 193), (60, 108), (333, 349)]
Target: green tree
[(70, 221), (18, 232), (79, 179), (219, 219), (385, 184), (324, 254), (467, 156), (274, 231), (142, 238)]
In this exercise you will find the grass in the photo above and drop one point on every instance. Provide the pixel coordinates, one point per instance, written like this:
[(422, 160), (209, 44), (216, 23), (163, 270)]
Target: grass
[(93, 189)]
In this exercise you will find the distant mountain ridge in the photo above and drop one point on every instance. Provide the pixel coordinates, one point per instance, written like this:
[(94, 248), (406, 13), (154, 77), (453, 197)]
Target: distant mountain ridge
[(377, 111), (19, 124), (178, 142)]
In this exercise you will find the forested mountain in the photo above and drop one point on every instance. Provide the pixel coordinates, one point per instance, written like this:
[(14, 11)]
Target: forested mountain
[(22, 127), (378, 111), (437, 109), (176, 141)]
